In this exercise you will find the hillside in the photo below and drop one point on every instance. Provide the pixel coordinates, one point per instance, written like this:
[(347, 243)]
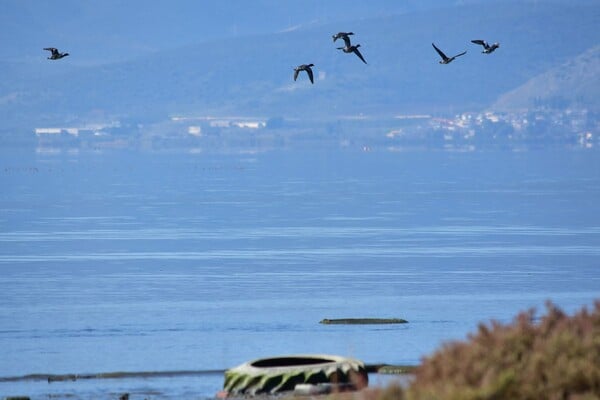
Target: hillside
[(252, 75), (573, 83), (101, 32)]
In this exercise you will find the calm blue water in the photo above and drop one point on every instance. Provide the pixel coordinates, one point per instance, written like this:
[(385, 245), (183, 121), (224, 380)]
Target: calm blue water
[(160, 262)]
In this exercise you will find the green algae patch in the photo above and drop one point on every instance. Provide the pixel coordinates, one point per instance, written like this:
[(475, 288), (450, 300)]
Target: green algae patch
[(362, 321)]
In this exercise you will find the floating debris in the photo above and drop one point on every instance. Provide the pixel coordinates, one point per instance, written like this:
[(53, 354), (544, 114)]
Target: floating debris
[(362, 321), (395, 369)]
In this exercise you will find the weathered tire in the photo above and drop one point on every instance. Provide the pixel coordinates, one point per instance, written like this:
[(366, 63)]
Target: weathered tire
[(280, 374)]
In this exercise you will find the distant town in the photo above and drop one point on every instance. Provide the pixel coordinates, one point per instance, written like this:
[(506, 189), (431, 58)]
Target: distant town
[(462, 132)]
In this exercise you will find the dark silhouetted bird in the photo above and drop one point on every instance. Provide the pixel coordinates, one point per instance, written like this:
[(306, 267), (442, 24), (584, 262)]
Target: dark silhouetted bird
[(343, 35), (353, 49), (487, 49), (304, 67), (56, 55), (445, 59)]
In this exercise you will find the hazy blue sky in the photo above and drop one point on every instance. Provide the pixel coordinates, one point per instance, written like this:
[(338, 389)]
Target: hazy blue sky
[(119, 29)]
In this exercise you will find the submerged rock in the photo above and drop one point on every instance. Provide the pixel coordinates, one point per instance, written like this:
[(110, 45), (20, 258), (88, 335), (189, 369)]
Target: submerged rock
[(362, 321)]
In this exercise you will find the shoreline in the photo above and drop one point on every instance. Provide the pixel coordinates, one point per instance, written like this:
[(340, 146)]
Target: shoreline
[(383, 369), (201, 384)]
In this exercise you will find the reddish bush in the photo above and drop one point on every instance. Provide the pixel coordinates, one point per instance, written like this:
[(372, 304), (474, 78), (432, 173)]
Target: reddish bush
[(555, 358)]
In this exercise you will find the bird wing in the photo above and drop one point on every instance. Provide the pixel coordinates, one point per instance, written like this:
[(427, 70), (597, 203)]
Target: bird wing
[(480, 42), (53, 50), (359, 55), (296, 71), (461, 54), (346, 40), (441, 53), (310, 74)]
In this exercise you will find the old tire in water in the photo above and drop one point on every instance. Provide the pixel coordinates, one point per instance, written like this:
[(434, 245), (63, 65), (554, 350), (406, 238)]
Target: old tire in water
[(280, 374)]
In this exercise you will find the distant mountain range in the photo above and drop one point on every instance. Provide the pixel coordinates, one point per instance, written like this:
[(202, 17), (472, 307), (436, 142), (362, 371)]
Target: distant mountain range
[(549, 53), (107, 31), (573, 83)]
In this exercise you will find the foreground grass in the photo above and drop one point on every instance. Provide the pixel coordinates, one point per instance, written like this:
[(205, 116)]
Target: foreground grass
[(555, 357)]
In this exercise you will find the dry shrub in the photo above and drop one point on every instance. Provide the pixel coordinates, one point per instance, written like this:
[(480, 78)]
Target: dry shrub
[(392, 392), (555, 358)]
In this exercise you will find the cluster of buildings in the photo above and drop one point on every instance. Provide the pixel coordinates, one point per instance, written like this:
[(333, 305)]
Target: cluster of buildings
[(466, 131), (576, 128)]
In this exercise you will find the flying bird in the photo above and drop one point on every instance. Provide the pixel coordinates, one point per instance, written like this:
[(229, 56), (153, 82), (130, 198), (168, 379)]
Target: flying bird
[(304, 67), (445, 59), (56, 55), (352, 49), (487, 49), (344, 36)]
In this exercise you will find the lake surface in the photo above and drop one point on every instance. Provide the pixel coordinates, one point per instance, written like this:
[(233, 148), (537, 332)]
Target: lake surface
[(129, 261)]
